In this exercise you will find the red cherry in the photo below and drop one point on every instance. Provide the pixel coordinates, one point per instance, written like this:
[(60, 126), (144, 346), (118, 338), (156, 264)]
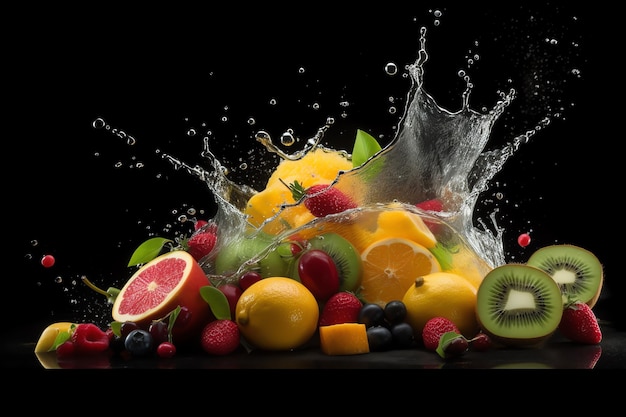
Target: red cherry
[(47, 261), (232, 293), (166, 350), (523, 240), (248, 278)]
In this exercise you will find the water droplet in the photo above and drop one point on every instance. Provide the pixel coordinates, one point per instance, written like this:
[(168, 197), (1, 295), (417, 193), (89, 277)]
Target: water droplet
[(251, 121), (330, 120), (58, 279), (287, 138), (391, 68), (273, 102), (34, 242), (99, 123), (300, 70), (191, 132), (392, 110), (191, 211), (316, 106), (243, 166)]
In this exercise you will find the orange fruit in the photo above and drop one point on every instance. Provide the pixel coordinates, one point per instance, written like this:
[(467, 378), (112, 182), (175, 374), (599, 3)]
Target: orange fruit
[(277, 313), (390, 267), (442, 294), (158, 287)]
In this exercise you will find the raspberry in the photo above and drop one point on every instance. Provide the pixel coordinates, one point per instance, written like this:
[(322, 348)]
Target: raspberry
[(89, 338), (220, 337)]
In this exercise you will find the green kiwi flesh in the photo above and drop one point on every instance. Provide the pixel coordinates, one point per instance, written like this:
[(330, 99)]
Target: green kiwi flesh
[(577, 271), (346, 258), (518, 305)]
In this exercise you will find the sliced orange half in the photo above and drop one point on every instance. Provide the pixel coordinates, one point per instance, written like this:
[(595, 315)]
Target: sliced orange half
[(390, 267)]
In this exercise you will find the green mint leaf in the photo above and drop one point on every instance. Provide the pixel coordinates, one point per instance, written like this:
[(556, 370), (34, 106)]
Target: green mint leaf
[(116, 326), (61, 338), (365, 146), (217, 301), (148, 250)]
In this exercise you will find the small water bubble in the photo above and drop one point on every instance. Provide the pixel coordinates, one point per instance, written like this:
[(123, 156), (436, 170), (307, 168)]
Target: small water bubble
[(461, 73), (99, 123), (301, 70), (118, 164), (58, 279), (183, 218), (191, 132), (316, 106), (243, 166), (437, 13), (436, 22), (251, 121), (344, 115), (224, 119), (273, 102), (139, 165), (392, 110), (391, 68), (499, 195), (287, 138), (191, 211), (330, 120), (34, 242), (344, 104), (130, 140)]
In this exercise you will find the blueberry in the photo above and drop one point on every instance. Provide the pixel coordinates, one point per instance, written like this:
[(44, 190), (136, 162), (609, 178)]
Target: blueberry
[(379, 338), (371, 314), (402, 334), (395, 312), (139, 342)]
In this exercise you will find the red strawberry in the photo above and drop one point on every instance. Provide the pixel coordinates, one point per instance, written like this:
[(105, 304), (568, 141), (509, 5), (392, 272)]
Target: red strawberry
[(200, 244), (321, 199), (430, 205), (434, 329), (220, 337), (89, 338), (341, 307), (580, 324)]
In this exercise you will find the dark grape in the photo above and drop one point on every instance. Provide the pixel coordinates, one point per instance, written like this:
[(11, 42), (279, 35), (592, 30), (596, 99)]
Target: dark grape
[(159, 331), (379, 338), (127, 327), (455, 347), (402, 335), (371, 315), (395, 312)]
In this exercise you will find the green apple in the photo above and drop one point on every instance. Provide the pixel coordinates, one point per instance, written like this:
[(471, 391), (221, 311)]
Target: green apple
[(245, 248)]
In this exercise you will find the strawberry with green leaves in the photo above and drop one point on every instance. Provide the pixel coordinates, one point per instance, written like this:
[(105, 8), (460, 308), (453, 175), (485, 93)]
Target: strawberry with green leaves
[(321, 199), (579, 323), (341, 307)]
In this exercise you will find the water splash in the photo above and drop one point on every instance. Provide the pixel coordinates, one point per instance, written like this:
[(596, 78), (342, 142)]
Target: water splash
[(436, 154)]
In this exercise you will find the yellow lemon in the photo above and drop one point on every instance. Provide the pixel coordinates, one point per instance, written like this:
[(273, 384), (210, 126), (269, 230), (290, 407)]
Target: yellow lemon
[(404, 224), (442, 294), (277, 313), (390, 267), (49, 335)]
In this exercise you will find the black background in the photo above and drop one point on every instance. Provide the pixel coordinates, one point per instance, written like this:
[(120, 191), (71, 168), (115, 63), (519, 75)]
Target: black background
[(156, 73)]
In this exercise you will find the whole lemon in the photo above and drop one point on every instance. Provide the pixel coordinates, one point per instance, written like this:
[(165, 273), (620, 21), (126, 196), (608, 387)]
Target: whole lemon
[(442, 294), (277, 313)]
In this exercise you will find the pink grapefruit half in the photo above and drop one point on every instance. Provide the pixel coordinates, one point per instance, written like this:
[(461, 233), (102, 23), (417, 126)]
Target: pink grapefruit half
[(158, 287)]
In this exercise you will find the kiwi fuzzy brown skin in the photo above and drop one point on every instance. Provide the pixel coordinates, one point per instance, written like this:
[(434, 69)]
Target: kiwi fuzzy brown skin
[(572, 259), (513, 276)]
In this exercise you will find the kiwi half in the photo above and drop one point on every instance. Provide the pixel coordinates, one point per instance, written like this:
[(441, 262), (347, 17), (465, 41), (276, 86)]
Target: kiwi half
[(346, 258), (518, 305), (577, 271)]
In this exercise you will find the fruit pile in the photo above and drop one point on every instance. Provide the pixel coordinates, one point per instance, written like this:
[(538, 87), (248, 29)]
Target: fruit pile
[(366, 281)]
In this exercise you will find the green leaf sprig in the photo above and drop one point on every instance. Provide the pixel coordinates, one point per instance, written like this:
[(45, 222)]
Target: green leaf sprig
[(365, 146), (148, 250)]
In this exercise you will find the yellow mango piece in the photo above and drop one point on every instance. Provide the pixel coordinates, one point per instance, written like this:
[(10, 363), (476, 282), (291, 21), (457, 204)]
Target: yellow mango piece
[(404, 224), (344, 339), (317, 166)]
